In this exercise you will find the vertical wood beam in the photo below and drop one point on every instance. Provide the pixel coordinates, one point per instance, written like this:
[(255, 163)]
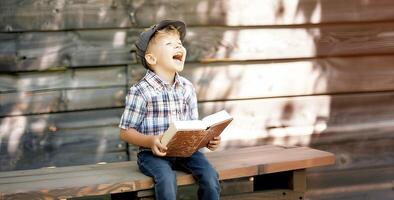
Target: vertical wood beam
[(298, 182)]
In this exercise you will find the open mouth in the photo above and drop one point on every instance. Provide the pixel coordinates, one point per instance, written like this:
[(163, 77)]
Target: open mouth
[(178, 56)]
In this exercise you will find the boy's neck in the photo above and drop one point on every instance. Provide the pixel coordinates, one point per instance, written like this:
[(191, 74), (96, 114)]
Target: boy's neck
[(167, 76)]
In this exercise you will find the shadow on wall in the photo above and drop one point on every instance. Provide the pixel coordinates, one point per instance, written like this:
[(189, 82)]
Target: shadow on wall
[(352, 126), (303, 117), (29, 137), (282, 120)]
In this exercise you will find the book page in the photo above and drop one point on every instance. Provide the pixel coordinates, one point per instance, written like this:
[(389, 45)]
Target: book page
[(179, 126), (189, 125), (216, 118)]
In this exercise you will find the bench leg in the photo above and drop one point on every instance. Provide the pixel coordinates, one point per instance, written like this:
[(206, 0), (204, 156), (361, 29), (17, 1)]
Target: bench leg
[(289, 185), (298, 182)]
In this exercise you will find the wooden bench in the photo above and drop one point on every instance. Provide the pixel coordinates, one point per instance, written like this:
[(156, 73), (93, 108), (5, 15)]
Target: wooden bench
[(250, 163)]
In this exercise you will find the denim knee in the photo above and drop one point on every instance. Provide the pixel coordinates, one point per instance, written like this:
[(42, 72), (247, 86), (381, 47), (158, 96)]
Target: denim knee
[(165, 177), (209, 180), (165, 185)]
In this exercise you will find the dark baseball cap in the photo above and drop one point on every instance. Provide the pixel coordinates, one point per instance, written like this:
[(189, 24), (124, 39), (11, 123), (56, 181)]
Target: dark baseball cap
[(146, 36)]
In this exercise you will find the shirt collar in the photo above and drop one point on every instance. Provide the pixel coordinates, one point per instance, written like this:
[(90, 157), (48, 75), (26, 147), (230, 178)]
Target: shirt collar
[(156, 82)]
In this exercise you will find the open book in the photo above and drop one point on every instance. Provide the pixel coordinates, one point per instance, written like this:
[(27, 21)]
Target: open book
[(183, 138)]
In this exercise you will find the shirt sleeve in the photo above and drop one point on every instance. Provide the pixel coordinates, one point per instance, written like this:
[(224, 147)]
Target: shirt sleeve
[(135, 110)]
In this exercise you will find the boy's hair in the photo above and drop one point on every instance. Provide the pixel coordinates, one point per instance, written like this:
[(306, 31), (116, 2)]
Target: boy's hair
[(168, 30), (145, 37)]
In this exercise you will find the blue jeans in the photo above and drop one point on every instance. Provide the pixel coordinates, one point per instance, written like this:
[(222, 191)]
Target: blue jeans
[(161, 169)]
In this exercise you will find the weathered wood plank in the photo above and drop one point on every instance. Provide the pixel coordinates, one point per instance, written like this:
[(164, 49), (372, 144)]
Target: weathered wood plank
[(36, 140), (334, 136), (60, 100), (319, 120), (225, 44), (277, 82), (295, 120), (298, 182), (43, 50), (60, 159), (301, 117), (367, 183), (94, 139), (61, 15), (43, 173), (64, 79), (96, 182), (40, 124), (360, 153), (269, 12), (34, 150), (29, 175), (313, 111), (241, 80), (346, 129), (318, 180), (354, 127), (362, 194), (314, 120)]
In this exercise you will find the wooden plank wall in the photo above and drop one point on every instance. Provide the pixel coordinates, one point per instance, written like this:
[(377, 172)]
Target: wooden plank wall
[(292, 72)]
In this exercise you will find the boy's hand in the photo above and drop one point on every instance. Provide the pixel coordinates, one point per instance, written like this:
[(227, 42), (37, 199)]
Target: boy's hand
[(214, 144), (158, 149)]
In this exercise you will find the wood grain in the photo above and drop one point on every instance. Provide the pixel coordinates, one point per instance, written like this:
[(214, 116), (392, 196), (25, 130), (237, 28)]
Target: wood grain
[(363, 193), (90, 134), (242, 80), (321, 75), (62, 148), (342, 178), (30, 160), (226, 44), (299, 180), (102, 181), (57, 50), (310, 120), (122, 14), (212, 81), (275, 112), (53, 50), (63, 79), (60, 100), (40, 124), (294, 120), (372, 182), (360, 153)]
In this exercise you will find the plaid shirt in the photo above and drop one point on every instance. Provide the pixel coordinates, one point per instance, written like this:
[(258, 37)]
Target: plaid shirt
[(152, 104)]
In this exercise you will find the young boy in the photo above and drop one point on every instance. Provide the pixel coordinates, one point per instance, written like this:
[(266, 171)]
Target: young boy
[(160, 97)]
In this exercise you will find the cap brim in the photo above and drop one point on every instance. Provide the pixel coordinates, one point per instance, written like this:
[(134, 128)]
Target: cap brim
[(179, 25)]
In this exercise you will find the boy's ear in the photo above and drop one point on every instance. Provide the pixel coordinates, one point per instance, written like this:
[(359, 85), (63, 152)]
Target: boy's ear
[(150, 59)]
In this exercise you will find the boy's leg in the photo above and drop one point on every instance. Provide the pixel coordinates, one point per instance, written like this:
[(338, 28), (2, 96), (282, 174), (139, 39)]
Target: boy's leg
[(161, 172), (206, 175)]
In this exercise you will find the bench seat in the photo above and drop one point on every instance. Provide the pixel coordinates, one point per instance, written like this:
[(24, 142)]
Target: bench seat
[(99, 179)]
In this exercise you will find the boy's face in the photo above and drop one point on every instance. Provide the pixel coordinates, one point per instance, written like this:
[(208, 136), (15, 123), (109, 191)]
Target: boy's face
[(168, 52)]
